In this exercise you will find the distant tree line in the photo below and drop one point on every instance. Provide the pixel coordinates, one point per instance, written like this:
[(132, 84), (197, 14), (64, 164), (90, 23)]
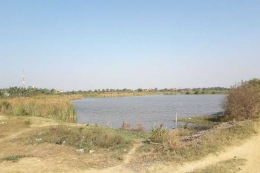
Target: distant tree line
[(33, 91), (24, 92)]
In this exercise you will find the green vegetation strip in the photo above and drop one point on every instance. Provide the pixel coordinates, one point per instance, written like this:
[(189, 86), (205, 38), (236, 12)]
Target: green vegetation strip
[(85, 137), (206, 120), (15, 158)]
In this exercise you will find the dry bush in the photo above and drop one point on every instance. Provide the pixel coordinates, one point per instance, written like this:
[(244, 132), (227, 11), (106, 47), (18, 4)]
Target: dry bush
[(139, 127), (174, 141), (242, 102), (5, 107), (126, 126)]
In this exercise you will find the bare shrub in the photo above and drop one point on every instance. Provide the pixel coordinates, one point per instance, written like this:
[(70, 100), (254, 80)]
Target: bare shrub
[(126, 126), (174, 141), (255, 83), (139, 127), (242, 102), (5, 107)]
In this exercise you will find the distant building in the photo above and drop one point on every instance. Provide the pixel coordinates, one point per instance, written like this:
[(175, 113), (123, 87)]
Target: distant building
[(59, 91), (32, 87), (6, 94)]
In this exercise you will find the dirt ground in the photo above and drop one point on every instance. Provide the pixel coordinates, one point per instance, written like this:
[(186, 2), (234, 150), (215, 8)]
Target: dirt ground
[(64, 161), (249, 150)]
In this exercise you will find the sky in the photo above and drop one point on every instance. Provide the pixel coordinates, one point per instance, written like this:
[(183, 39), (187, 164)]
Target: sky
[(90, 44)]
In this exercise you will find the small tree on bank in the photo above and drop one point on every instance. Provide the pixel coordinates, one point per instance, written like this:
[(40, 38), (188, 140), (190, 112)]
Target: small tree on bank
[(243, 102)]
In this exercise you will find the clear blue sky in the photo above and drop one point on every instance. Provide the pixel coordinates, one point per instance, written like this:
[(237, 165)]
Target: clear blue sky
[(85, 44)]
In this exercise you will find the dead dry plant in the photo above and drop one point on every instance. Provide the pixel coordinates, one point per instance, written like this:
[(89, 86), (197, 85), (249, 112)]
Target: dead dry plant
[(242, 103)]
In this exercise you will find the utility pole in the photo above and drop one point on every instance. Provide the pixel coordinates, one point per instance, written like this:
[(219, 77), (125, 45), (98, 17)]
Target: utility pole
[(23, 80)]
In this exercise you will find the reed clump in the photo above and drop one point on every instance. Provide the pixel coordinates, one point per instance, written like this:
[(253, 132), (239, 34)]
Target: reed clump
[(55, 108), (159, 134), (170, 140), (4, 106)]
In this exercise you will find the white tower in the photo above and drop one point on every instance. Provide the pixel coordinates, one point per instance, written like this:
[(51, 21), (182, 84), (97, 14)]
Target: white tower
[(23, 79)]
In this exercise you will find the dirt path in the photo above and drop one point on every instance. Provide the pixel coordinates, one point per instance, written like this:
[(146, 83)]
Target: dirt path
[(14, 135), (37, 122), (122, 167), (249, 150), (132, 152), (2, 117)]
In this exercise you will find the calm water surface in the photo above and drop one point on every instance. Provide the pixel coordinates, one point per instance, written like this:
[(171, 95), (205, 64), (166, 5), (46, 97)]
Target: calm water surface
[(148, 110)]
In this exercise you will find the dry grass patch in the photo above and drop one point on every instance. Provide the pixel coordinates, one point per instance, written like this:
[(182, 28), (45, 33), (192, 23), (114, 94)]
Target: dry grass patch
[(209, 120), (58, 108), (84, 137), (211, 142), (227, 166), (76, 147), (10, 125), (55, 158)]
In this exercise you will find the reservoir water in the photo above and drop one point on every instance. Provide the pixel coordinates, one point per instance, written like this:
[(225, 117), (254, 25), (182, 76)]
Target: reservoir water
[(148, 110)]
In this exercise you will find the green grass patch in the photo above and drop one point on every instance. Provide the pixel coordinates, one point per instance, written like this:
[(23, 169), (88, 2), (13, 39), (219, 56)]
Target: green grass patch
[(85, 137), (206, 120), (133, 134), (15, 158)]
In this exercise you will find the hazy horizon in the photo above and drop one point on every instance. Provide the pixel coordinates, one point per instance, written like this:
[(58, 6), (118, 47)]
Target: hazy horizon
[(86, 45)]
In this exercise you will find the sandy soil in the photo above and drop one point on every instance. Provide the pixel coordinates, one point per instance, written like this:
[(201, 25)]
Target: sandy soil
[(2, 117), (249, 150)]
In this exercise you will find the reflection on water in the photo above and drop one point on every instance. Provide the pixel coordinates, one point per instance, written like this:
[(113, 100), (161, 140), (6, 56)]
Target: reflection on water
[(148, 110)]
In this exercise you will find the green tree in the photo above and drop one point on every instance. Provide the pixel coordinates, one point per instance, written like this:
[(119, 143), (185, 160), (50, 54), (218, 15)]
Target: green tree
[(139, 90)]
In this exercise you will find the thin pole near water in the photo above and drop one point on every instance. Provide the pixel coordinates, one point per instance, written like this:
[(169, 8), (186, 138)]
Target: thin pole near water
[(176, 121)]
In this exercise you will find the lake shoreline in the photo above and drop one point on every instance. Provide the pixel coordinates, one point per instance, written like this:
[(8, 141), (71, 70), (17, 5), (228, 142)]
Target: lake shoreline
[(148, 110)]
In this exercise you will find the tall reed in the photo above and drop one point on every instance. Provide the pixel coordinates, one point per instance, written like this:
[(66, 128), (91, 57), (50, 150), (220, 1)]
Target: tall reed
[(55, 108)]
